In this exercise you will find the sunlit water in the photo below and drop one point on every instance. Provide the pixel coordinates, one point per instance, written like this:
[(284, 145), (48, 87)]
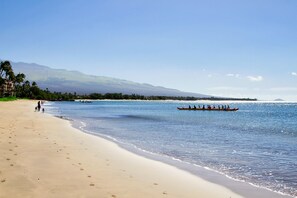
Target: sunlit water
[(257, 144)]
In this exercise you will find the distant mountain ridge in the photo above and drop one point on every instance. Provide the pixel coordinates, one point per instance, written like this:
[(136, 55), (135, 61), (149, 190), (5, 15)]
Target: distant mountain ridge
[(61, 80)]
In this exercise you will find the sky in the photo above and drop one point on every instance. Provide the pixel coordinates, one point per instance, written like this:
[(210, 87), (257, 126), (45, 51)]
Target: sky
[(231, 48)]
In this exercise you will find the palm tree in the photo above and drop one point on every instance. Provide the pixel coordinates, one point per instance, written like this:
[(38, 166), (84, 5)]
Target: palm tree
[(7, 78), (5, 70), (19, 78), (35, 91)]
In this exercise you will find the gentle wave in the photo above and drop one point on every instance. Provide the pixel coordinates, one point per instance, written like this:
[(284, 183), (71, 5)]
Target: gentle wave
[(260, 136)]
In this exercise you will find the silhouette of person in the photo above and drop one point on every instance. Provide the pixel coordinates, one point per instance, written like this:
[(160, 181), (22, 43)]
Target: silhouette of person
[(39, 105)]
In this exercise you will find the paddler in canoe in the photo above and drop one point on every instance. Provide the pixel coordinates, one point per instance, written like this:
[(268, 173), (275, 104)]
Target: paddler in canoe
[(209, 108)]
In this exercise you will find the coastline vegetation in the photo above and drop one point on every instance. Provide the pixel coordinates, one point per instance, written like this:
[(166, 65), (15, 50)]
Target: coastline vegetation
[(14, 86)]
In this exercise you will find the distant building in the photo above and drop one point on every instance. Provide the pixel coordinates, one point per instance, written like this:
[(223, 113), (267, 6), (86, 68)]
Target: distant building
[(7, 88)]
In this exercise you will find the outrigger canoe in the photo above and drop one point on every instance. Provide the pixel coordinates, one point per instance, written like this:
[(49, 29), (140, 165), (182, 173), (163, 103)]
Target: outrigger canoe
[(206, 109)]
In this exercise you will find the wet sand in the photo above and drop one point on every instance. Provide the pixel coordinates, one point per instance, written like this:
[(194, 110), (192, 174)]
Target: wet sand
[(43, 156)]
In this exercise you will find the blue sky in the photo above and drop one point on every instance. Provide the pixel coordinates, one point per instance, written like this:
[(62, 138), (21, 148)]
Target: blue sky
[(234, 48)]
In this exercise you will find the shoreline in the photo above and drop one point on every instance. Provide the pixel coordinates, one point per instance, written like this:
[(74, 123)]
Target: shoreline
[(45, 156), (243, 188)]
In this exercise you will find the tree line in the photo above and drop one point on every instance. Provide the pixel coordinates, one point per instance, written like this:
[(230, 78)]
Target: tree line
[(22, 88)]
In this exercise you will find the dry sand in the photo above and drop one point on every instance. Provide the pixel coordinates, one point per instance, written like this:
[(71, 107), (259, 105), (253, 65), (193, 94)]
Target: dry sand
[(43, 156)]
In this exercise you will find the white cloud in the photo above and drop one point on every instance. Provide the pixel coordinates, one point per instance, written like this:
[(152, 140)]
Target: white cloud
[(233, 75), (255, 78), (294, 74)]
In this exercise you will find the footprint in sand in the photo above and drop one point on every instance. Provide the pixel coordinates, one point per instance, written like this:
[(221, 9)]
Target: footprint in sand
[(164, 193), (3, 180), (156, 184), (10, 150), (113, 196), (89, 176), (92, 184), (7, 159), (11, 164), (15, 154), (81, 169)]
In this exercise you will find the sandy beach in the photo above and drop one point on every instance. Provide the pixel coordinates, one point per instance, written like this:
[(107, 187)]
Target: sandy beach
[(44, 156)]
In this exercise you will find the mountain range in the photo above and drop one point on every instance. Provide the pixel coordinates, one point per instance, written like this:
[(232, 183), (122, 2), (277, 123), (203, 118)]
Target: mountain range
[(61, 80)]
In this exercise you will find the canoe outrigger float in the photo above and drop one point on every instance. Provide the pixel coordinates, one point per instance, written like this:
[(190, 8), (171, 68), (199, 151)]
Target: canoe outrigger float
[(206, 109)]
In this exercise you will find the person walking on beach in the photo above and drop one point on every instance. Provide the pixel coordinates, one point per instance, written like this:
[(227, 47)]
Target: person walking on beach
[(39, 105)]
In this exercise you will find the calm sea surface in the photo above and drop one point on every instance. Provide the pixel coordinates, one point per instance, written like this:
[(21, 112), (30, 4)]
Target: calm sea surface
[(257, 144)]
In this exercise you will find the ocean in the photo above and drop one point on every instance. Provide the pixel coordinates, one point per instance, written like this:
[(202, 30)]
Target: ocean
[(256, 144)]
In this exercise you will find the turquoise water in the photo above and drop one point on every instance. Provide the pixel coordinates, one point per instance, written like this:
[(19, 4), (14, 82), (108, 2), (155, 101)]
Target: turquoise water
[(257, 144)]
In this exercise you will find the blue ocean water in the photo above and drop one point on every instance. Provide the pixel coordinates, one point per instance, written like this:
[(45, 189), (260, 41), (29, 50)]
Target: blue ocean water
[(257, 144)]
